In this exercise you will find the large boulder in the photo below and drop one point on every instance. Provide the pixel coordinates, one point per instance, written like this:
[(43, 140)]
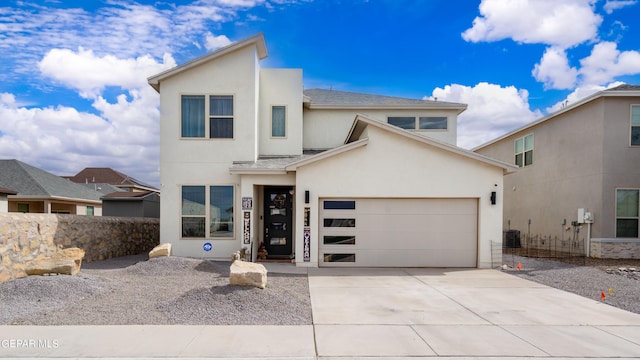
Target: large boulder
[(65, 262), (160, 250), (248, 274)]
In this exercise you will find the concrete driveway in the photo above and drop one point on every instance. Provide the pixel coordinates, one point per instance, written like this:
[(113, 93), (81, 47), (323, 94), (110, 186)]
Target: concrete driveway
[(461, 313)]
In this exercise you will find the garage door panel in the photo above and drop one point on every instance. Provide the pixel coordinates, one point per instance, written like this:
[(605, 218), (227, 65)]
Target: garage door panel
[(405, 232)]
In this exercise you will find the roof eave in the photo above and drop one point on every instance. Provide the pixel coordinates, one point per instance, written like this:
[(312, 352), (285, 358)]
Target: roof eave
[(603, 93), (458, 107), (254, 171), (327, 154)]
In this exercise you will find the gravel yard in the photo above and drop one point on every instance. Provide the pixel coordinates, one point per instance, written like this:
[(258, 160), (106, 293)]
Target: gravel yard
[(172, 290), (599, 275), (168, 290)]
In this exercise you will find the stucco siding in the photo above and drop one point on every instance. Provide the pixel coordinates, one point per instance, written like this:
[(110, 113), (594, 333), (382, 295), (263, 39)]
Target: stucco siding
[(281, 87), (620, 160), (390, 166), (327, 128), (566, 173)]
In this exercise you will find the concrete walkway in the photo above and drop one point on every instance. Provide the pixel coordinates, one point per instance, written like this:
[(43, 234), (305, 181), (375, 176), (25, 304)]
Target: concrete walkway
[(375, 313)]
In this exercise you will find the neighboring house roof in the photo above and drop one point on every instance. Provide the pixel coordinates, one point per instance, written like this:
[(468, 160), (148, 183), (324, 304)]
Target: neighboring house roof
[(102, 188), (108, 176), (353, 141), (6, 191), (255, 40), (618, 91), (334, 99), (128, 195), (30, 181)]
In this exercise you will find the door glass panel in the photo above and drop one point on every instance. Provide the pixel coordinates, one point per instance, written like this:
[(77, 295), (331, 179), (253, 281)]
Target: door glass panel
[(278, 241), (339, 240), (339, 222), (278, 211), (339, 257)]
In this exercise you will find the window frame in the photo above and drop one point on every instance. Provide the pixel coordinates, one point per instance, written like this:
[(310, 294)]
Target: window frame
[(286, 121), (524, 150), (637, 217), (208, 117), (416, 122), (632, 125), (207, 216)]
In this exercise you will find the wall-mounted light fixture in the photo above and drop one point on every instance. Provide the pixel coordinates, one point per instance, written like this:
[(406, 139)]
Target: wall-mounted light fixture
[(306, 196), (493, 198)]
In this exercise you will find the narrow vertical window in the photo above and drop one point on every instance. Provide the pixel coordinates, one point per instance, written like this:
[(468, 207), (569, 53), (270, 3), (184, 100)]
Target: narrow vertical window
[(635, 125), (627, 213), (221, 117), (278, 121), (192, 107), (221, 211), (193, 211), (90, 211), (524, 151)]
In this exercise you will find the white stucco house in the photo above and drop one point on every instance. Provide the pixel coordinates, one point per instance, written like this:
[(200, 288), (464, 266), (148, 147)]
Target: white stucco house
[(249, 159)]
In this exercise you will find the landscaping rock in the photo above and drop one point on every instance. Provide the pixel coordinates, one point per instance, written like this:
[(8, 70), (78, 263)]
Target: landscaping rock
[(65, 262), (248, 274), (160, 250)]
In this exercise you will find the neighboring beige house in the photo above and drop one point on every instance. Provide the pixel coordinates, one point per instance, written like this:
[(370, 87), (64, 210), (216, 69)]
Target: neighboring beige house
[(580, 166), (323, 177), (38, 191)]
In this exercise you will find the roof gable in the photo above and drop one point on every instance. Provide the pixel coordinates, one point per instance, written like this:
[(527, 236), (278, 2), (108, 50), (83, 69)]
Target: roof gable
[(107, 176), (28, 180), (255, 40), (618, 91)]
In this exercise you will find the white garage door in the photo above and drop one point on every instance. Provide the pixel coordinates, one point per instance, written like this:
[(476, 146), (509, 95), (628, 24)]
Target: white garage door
[(398, 232)]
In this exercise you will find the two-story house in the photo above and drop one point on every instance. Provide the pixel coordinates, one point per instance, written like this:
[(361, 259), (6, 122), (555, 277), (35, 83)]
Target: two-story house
[(323, 177), (579, 176)]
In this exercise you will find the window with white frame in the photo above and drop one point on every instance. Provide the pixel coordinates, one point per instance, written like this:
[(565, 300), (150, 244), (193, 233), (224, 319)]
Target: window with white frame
[(524, 151), (194, 122), (207, 211), (635, 125), (627, 213), (419, 122), (278, 121)]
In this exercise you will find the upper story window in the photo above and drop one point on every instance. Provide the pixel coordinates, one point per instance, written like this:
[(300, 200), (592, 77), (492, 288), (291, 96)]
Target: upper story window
[(278, 121), (193, 118), (635, 125), (524, 150), (627, 212), (419, 122)]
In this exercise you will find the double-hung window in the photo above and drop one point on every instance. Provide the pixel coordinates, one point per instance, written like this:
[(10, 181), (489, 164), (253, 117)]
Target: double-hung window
[(207, 211), (278, 121), (196, 124), (524, 150), (635, 125), (419, 123), (627, 213)]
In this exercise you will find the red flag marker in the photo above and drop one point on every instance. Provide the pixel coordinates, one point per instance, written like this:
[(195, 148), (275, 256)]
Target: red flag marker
[(603, 296), (519, 266)]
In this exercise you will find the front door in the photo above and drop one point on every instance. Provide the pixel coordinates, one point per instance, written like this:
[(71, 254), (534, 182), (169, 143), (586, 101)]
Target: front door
[(278, 217)]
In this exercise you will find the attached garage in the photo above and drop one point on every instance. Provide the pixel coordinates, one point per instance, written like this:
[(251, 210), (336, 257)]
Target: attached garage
[(397, 232)]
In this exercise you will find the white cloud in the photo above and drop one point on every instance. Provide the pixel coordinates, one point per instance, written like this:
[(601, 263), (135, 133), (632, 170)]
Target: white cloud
[(90, 74), (554, 70), (606, 62), (611, 5), (213, 42), (492, 110), (562, 23)]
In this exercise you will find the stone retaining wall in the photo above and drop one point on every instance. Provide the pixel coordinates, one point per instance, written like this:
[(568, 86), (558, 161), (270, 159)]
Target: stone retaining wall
[(26, 237), (615, 248)]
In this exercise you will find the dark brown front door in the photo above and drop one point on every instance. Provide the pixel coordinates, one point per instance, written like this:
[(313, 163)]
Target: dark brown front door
[(278, 217)]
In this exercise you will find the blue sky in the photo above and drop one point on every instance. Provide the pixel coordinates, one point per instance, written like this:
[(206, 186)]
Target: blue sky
[(73, 90)]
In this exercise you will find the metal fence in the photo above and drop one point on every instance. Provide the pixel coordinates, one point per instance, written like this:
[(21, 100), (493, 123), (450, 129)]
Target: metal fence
[(570, 249)]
